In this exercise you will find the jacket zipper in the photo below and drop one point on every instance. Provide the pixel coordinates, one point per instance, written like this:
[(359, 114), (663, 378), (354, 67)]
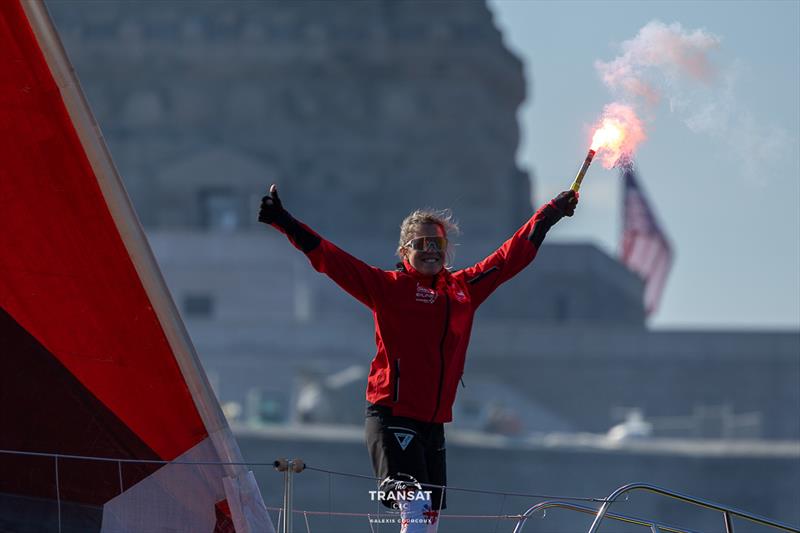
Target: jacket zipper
[(441, 350), (482, 275), (397, 380)]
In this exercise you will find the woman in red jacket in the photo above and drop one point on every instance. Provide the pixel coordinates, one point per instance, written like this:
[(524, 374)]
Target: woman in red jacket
[(423, 318)]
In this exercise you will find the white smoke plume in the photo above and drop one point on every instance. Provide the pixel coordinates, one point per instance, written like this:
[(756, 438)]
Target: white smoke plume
[(659, 55), (670, 63)]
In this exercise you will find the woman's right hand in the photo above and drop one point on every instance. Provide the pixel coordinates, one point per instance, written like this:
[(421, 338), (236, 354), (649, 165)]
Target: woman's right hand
[(566, 202), (271, 207)]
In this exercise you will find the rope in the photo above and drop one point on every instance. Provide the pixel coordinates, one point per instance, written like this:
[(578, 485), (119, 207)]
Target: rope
[(330, 498), (58, 495), (119, 472)]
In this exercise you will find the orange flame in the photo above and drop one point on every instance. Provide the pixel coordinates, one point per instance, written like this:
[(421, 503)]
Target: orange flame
[(617, 134)]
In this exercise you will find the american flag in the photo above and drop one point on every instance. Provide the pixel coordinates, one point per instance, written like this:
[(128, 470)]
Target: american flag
[(645, 248)]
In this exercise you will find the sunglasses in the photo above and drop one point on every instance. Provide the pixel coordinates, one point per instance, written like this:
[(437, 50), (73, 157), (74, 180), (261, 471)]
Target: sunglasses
[(420, 244)]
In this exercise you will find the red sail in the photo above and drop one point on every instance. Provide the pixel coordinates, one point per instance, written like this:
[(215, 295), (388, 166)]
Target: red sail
[(93, 359)]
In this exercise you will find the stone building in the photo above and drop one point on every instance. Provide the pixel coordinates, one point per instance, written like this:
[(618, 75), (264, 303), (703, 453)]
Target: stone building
[(342, 103)]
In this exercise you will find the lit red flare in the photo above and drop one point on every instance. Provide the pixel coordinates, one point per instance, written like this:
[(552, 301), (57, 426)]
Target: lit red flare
[(618, 133)]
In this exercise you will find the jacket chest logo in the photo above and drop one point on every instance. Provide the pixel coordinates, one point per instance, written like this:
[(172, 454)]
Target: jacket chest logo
[(460, 296), (425, 294)]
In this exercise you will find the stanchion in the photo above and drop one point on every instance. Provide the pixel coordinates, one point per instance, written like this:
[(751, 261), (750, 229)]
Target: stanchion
[(295, 466)]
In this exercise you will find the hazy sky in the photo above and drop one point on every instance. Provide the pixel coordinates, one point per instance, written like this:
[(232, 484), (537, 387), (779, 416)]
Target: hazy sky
[(727, 194)]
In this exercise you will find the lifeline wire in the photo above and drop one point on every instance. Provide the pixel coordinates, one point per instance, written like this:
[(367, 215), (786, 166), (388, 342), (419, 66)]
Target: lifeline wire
[(57, 456), (515, 517), (323, 470), (461, 489)]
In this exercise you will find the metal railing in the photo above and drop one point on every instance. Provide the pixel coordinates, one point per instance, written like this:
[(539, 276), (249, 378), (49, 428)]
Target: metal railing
[(655, 527), (603, 511)]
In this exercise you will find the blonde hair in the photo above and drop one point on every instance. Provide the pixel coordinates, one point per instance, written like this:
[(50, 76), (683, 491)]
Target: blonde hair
[(441, 217)]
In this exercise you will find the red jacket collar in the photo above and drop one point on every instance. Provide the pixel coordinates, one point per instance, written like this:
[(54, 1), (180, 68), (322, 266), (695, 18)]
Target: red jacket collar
[(443, 273)]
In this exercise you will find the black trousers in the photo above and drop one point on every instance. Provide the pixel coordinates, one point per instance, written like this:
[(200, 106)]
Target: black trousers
[(400, 447)]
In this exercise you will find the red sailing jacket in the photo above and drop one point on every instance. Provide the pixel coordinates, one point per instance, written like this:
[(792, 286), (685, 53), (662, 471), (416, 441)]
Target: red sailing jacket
[(422, 323)]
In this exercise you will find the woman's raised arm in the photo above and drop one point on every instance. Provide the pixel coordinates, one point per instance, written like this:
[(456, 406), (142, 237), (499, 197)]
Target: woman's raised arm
[(360, 280), (518, 251)]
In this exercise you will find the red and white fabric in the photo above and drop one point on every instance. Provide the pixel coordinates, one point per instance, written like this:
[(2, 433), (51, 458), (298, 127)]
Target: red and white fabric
[(95, 360)]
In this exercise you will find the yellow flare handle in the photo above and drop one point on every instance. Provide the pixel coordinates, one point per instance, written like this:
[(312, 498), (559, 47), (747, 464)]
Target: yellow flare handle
[(576, 184)]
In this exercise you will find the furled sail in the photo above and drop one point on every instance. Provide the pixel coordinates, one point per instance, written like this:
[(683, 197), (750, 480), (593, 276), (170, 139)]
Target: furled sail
[(94, 359)]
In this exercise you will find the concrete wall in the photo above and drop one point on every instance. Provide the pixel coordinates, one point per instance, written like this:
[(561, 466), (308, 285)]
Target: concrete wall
[(583, 373)]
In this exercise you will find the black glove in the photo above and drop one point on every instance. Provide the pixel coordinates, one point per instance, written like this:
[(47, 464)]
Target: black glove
[(272, 211), (550, 213), (566, 202)]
